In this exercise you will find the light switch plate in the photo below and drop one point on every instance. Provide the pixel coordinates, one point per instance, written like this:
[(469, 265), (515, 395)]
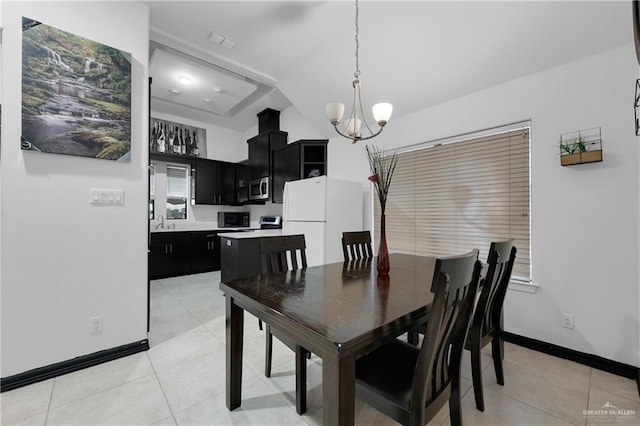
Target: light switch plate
[(108, 197)]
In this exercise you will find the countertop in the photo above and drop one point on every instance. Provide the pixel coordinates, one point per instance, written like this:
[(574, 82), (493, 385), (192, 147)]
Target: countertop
[(201, 228), (253, 234)]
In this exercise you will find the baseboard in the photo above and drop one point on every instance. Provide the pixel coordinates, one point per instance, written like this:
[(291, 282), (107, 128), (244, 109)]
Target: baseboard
[(69, 366), (613, 367)]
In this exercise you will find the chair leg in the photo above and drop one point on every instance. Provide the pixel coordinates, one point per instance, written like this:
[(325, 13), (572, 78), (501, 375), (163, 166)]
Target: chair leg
[(455, 404), (301, 379), (412, 338), (476, 374), (268, 351), (497, 352)]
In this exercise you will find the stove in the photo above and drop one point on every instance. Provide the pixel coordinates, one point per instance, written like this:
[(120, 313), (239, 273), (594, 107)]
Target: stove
[(270, 222)]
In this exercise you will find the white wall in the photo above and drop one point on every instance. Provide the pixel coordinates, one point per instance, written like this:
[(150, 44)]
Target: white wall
[(584, 219), (63, 260)]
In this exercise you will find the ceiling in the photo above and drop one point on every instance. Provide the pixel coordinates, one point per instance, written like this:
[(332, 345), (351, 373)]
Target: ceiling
[(413, 54)]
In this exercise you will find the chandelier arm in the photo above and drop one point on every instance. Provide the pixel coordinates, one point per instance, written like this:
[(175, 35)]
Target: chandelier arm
[(373, 135), (364, 119)]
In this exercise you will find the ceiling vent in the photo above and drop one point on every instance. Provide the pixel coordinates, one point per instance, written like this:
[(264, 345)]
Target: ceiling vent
[(222, 40)]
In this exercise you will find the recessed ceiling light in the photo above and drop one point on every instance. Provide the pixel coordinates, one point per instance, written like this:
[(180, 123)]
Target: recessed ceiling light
[(184, 79), (206, 100), (217, 90), (175, 91)]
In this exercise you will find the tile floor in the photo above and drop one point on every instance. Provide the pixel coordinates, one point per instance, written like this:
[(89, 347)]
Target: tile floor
[(180, 380)]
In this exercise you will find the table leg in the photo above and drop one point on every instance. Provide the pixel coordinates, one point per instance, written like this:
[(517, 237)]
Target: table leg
[(233, 349), (301, 379), (339, 389)]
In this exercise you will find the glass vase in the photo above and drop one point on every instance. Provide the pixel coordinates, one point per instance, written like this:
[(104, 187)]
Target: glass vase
[(383, 265)]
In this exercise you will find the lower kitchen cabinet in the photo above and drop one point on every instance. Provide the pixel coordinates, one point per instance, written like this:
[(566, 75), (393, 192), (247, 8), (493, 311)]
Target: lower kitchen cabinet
[(181, 253), (169, 254), (205, 252)]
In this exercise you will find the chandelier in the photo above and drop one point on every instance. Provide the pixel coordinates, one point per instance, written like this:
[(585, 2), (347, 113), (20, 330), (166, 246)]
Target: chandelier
[(357, 123)]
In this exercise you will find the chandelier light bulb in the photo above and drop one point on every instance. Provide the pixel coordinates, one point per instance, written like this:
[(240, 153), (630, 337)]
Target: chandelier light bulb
[(334, 111), (353, 127), (382, 113)]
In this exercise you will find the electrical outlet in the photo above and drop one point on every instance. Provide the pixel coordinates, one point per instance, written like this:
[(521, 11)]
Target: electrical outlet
[(567, 320), (95, 325)]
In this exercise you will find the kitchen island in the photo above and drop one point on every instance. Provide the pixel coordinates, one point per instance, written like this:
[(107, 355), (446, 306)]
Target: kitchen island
[(240, 253)]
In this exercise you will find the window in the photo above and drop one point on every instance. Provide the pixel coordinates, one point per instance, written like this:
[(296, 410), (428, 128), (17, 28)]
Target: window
[(177, 191), (450, 198), (152, 190)]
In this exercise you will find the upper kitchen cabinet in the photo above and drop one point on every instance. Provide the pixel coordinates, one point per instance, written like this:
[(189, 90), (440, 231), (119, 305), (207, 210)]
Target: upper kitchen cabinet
[(298, 160), (260, 148), (215, 183), (243, 176), (207, 176), (227, 186)]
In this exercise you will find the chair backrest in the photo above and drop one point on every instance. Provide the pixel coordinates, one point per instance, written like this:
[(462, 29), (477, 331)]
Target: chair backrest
[(488, 311), (455, 282), (356, 245), (280, 254)]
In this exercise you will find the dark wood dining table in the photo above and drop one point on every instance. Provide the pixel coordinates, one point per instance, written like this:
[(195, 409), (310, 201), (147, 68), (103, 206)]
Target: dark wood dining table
[(337, 311)]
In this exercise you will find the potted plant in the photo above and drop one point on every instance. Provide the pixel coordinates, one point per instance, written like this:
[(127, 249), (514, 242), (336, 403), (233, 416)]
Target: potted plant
[(581, 147)]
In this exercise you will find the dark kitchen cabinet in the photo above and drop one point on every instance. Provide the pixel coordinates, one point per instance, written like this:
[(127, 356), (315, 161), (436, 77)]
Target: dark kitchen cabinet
[(298, 160), (243, 176), (207, 178), (227, 184), (205, 251), (260, 148), (176, 253), (169, 254), (215, 182)]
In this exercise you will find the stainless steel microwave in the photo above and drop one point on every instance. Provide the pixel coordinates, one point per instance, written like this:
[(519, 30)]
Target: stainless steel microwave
[(259, 189), (233, 219)]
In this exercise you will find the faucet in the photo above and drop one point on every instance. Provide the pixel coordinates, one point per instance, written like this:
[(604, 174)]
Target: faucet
[(161, 224)]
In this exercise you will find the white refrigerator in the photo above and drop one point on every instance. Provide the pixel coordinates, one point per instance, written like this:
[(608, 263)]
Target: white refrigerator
[(322, 208)]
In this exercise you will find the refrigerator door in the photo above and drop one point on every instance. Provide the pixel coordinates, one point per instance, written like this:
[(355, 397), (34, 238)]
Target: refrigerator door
[(314, 237), (305, 200), (344, 214)]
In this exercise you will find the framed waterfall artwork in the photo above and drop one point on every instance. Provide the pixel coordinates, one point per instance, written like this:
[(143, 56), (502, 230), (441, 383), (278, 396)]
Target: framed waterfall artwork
[(76, 95)]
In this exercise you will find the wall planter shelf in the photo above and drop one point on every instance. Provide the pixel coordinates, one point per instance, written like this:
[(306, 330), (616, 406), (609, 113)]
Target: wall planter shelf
[(584, 146)]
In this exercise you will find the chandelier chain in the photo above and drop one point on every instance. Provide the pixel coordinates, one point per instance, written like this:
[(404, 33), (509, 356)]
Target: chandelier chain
[(357, 73)]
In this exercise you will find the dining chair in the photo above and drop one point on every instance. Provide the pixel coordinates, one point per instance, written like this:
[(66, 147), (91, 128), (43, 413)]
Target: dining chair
[(486, 326), (356, 245), (411, 384), (280, 254)]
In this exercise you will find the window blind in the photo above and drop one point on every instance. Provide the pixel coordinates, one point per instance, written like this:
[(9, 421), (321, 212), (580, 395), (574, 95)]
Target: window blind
[(152, 180), (449, 199), (177, 177)]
